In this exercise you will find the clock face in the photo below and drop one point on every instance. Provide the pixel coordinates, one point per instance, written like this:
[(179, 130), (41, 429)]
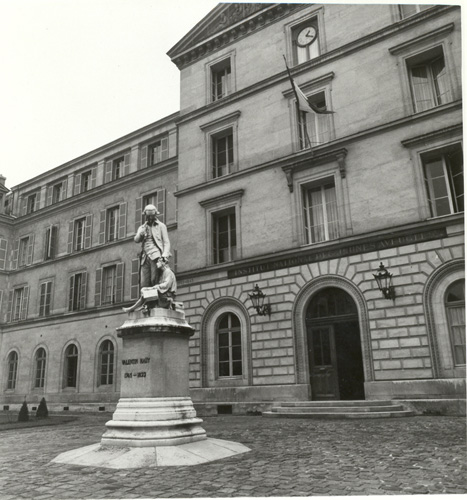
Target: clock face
[(306, 36)]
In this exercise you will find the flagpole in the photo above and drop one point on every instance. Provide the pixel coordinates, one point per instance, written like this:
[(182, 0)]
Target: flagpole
[(301, 125)]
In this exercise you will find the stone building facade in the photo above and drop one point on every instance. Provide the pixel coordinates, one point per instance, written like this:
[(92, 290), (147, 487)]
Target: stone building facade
[(304, 205)]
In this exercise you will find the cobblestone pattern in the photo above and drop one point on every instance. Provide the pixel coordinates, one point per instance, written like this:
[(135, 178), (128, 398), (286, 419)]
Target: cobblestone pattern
[(419, 455)]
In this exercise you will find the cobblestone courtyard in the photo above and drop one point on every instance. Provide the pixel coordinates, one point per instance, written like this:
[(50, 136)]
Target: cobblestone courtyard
[(419, 455)]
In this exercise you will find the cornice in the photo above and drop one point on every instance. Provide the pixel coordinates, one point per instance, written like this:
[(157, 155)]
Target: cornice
[(315, 160), (120, 184), (430, 136), (402, 47), (317, 62), (234, 195), (99, 151), (214, 123), (326, 149), (320, 80), (233, 33), (219, 271)]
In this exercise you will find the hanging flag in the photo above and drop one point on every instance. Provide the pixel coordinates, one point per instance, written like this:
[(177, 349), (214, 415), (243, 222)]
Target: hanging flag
[(303, 103)]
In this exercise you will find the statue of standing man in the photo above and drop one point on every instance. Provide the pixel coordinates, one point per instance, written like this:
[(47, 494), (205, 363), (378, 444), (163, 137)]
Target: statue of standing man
[(158, 285), (155, 244)]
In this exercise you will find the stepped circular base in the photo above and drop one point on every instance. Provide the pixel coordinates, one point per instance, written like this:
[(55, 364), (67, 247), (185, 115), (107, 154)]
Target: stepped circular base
[(149, 422), (97, 455)]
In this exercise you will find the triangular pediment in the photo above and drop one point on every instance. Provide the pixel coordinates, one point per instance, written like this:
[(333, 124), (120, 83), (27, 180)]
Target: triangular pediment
[(221, 17)]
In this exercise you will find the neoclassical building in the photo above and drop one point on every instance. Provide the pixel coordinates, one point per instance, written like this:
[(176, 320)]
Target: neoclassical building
[(306, 207)]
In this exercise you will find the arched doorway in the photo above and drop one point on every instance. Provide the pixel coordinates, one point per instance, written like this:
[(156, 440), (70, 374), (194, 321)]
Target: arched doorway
[(334, 346)]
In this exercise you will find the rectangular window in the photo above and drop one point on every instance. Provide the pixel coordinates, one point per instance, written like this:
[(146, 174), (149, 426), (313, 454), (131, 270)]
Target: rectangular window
[(45, 298), (112, 223), (159, 151), (50, 242), (221, 80), (85, 181), (222, 153), (444, 182), (224, 236), (18, 299), (429, 80), (78, 236), (23, 251), (109, 285), (320, 212), (57, 192), (315, 128), (76, 300), (31, 203), (305, 43), (117, 168), (408, 10)]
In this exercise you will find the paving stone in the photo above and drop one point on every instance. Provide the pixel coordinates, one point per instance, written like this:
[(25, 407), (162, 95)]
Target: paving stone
[(418, 455)]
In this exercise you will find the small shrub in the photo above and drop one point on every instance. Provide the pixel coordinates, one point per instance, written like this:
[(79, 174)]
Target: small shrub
[(23, 413), (42, 411)]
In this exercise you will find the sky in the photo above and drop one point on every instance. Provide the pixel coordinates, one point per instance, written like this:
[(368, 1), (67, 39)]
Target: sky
[(77, 74)]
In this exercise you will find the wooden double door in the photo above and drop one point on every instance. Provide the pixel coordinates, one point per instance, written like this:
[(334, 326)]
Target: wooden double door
[(334, 348)]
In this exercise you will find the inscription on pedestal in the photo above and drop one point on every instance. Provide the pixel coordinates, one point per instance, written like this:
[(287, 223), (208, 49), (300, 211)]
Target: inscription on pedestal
[(132, 362)]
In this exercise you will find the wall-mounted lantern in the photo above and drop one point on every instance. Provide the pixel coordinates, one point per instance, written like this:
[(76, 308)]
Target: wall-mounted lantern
[(384, 279), (257, 298)]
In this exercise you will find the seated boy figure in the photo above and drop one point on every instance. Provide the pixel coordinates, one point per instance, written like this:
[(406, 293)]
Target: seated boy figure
[(160, 295)]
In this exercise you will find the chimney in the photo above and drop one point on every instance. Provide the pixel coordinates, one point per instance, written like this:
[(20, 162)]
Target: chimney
[(2, 180)]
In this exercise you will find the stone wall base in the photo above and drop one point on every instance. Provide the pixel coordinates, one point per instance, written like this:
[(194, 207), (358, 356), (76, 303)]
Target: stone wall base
[(448, 388), (251, 393)]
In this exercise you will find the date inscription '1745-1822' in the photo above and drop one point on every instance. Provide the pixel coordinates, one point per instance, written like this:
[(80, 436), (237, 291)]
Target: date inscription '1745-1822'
[(135, 361)]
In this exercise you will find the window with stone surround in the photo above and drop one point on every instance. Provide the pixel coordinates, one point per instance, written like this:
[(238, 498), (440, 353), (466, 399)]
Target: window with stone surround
[(229, 346), (224, 236), (45, 298), (223, 227), (221, 74), (40, 359), (315, 128), (455, 311), (23, 251), (106, 363), (109, 284), (51, 242), (320, 215), (429, 79), (225, 344), (444, 180), (222, 153), (12, 365), (77, 292), (70, 374), (79, 234)]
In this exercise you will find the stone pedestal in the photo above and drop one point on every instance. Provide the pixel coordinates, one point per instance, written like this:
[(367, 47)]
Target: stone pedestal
[(155, 414), (155, 408)]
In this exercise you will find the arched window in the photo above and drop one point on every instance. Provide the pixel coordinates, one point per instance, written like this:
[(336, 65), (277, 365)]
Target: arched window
[(71, 365), (455, 311), (12, 369), (106, 363), (40, 360), (229, 345)]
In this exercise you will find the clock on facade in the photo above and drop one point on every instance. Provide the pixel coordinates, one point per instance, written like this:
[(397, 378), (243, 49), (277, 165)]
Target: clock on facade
[(306, 36)]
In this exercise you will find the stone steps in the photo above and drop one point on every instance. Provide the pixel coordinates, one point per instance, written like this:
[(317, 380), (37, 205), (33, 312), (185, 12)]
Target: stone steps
[(338, 409)]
